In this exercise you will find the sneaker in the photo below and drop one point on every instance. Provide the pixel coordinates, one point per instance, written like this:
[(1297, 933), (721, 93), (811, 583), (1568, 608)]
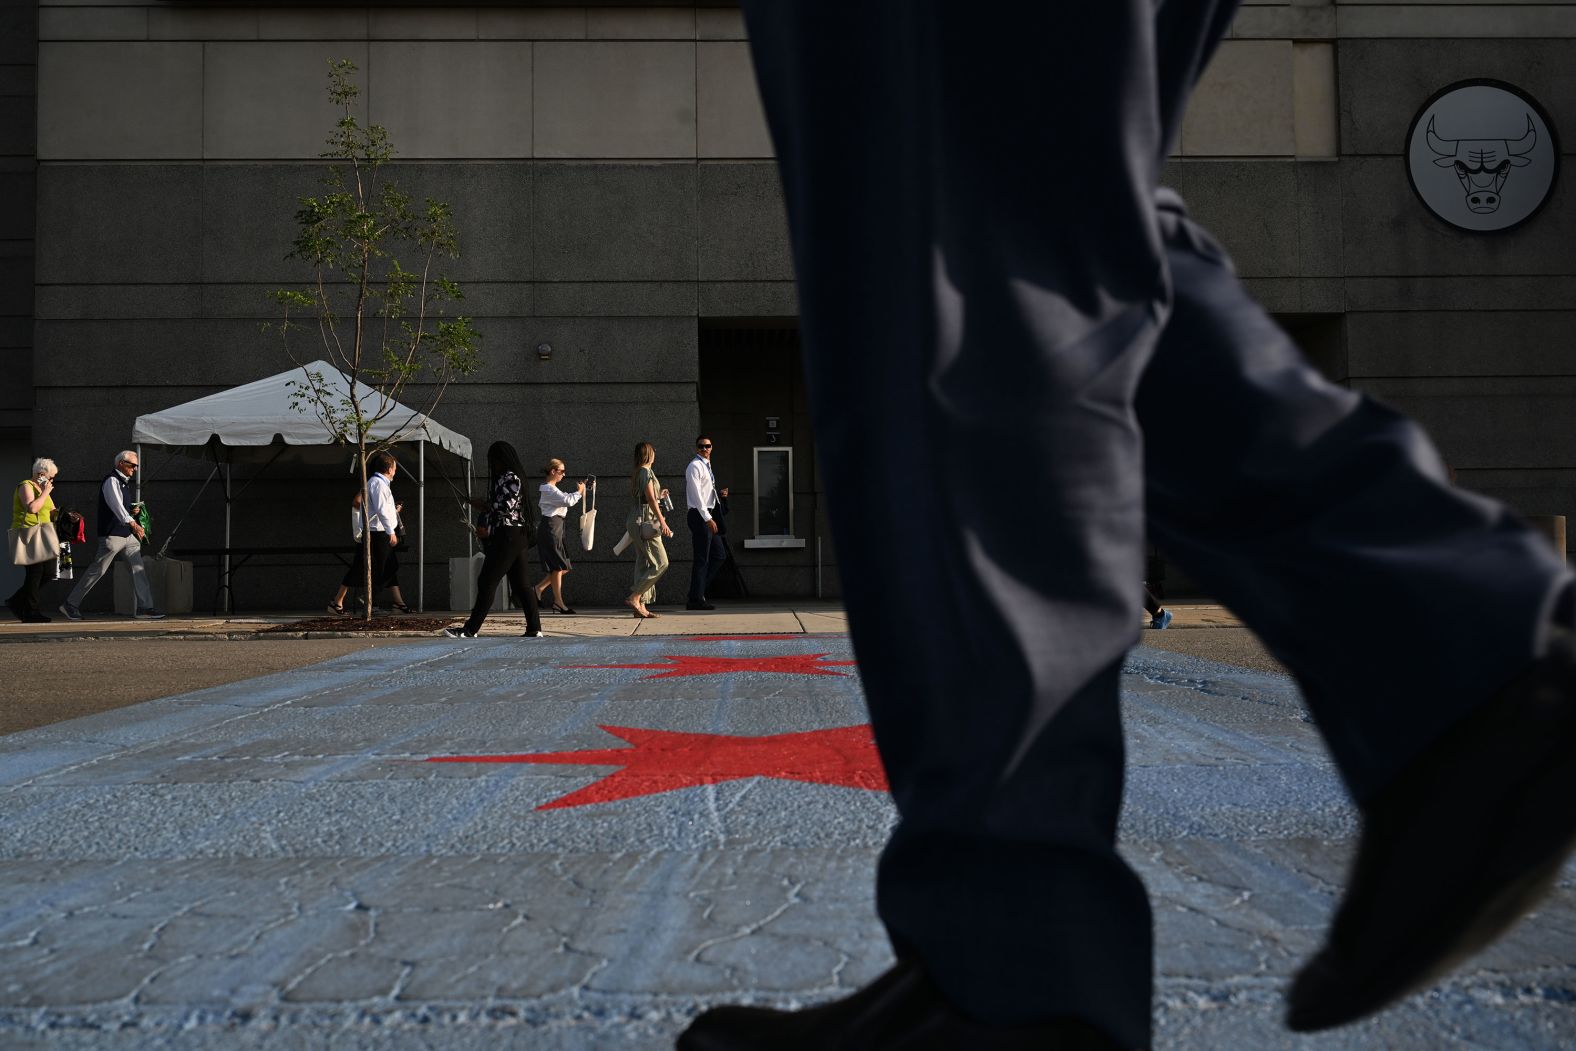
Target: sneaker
[(1162, 620), (458, 633), (534, 635), (147, 614), (70, 612)]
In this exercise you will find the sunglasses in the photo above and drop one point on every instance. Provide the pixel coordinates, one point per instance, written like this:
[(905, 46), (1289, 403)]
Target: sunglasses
[(704, 445)]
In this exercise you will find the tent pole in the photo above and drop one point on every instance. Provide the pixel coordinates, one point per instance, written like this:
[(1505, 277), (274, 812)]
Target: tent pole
[(470, 534), (229, 596), (139, 472), (421, 537)]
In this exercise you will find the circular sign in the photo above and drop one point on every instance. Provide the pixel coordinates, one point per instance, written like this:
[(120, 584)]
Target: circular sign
[(1482, 155)]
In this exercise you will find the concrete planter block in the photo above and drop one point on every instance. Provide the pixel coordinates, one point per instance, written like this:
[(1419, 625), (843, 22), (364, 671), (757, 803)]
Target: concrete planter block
[(170, 578), (462, 585)]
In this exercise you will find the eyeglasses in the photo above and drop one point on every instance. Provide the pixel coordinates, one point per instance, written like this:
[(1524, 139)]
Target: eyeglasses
[(130, 463), (704, 445)]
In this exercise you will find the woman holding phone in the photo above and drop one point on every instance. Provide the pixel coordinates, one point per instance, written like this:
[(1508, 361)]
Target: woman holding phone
[(33, 504)]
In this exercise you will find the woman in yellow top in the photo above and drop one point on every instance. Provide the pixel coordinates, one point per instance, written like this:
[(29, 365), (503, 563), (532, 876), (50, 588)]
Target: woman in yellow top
[(651, 558), (32, 504)]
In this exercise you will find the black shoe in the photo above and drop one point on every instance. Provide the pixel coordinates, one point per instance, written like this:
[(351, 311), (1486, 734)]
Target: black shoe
[(16, 609), (900, 1010), (1463, 844), (458, 633), (699, 605), (561, 609), (35, 617)]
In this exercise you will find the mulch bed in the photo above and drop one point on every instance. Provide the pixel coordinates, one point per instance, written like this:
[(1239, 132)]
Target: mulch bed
[(380, 622)]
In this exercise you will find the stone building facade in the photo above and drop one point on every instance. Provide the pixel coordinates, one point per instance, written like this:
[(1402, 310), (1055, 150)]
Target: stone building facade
[(612, 179)]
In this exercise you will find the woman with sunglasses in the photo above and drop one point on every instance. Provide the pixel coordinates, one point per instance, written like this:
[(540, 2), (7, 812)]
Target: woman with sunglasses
[(555, 505)]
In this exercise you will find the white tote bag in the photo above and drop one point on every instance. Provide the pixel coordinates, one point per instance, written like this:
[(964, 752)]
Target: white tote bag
[(588, 517)]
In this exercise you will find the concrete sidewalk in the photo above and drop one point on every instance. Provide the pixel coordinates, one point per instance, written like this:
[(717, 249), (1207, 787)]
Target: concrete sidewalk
[(732, 618), (618, 829)]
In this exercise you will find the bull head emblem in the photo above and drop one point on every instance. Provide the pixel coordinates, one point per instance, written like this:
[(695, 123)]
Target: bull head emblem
[(1483, 165)]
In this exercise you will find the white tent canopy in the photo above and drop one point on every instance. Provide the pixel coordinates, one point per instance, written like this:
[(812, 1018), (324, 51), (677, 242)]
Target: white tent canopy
[(260, 414), (258, 421)]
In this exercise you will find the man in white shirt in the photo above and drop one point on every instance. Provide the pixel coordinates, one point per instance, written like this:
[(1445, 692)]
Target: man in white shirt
[(382, 516), (701, 496), (120, 536)]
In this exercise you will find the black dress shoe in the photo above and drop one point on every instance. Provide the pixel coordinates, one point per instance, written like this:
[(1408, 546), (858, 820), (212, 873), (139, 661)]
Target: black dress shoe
[(1463, 844), (699, 605), (900, 1011)]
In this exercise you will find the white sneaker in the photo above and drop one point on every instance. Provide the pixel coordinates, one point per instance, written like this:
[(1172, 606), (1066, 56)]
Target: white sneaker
[(458, 633), (534, 635)]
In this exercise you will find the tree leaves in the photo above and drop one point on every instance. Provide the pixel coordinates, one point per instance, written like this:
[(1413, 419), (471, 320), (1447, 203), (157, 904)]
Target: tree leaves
[(380, 322)]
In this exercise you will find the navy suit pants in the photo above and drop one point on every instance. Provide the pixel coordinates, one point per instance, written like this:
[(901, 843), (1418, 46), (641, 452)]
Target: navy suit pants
[(992, 281)]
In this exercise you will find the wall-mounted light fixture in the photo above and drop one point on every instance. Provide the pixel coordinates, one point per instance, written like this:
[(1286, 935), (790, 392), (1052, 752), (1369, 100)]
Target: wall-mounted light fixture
[(544, 351)]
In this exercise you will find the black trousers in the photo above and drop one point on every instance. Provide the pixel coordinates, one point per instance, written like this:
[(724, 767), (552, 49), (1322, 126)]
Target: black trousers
[(26, 596), (708, 554), (989, 272), (504, 554), (355, 578)]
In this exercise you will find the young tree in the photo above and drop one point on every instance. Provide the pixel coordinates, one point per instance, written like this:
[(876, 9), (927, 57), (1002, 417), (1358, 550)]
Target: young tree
[(381, 325)]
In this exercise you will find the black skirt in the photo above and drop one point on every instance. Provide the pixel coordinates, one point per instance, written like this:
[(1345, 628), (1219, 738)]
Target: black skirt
[(550, 544)]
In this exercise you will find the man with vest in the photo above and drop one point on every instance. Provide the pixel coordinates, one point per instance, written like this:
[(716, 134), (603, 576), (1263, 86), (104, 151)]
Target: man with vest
[(119, 537)]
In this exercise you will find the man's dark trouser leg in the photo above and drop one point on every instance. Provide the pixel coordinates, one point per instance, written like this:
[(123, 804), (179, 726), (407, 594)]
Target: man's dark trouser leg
[(1326, 522), (703, 550), (381, 550), (945, 334), (981, 281)]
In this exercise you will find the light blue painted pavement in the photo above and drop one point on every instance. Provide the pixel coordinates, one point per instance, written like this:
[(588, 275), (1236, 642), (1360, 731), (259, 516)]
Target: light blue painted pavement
[(270, 864)]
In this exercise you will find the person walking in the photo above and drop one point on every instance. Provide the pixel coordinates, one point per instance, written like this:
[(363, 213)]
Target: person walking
[(1159, 617), (506, 536), (700, 498), (33, 504), (967, 290), (554, 504), (645, 515), (382, 520), (355, 575), (119, 536)]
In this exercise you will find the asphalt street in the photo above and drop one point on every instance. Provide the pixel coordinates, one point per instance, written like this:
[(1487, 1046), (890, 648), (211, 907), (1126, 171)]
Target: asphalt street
[(577, 842)]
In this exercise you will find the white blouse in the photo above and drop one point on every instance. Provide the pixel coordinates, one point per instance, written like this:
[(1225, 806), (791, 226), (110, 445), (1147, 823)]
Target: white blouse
[(554, 502)]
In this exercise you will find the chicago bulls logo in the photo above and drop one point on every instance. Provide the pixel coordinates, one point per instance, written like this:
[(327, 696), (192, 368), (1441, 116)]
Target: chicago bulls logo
[(1481, 155)]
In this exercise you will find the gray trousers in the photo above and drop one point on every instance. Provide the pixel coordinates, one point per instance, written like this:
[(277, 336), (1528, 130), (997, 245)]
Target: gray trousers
[(991, 280), (109, 549)]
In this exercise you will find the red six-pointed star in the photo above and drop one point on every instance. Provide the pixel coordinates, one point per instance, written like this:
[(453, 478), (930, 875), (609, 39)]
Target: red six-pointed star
[(663, 760), (678, 666)]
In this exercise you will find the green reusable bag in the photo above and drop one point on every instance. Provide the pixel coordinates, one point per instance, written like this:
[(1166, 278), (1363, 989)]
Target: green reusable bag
[(145, 520)]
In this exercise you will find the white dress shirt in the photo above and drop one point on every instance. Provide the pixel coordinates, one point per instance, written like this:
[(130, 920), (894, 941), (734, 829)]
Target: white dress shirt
[(554, 502), (382, 517), (700, 487)]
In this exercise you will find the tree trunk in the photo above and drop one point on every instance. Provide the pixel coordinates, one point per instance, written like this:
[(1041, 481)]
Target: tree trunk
[(366, 526)]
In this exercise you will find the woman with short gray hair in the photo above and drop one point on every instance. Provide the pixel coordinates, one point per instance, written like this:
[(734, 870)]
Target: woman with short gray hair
[(33, 504)]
